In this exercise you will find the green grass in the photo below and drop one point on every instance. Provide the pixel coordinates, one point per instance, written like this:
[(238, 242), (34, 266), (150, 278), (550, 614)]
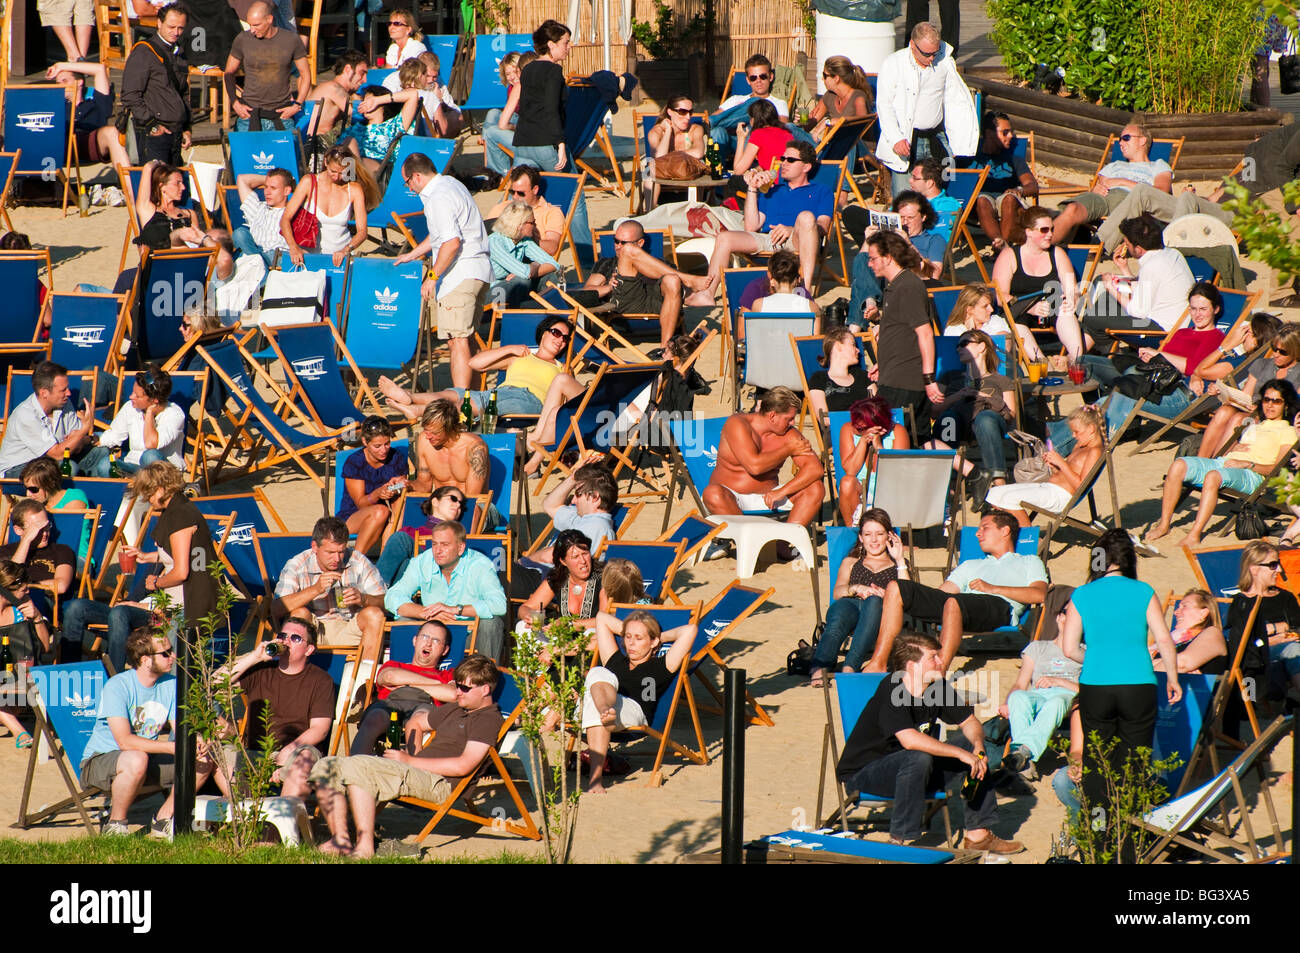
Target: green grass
[(201, 850)]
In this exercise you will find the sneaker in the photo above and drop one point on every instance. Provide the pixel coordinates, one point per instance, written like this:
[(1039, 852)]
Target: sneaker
[(715, 550), (993, 844), (161, 828), (1017, 759), (112, 196), (114, 829)]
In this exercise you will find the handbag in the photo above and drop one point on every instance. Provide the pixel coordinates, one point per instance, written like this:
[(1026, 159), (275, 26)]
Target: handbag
[(293, 297), (679, 165), (1250, 522), (1288, 70), (1031, 467), (1150, 380), (305, 224)]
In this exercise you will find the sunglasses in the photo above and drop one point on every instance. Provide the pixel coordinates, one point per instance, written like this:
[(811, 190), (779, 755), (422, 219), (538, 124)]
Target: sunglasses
[(1128, 136), (562, 335), (32, 489), (629, 241), (519, 192), (462, 687), (827, 75), (1275, 564), (926, 54), (681, 111), (458, 500), (1041, 229), (791, 159), (293, 637), (166, 653), (758, 77)]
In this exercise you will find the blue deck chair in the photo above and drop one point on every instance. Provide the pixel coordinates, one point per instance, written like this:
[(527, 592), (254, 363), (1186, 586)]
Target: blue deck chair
[(564, 189), (168, 283), (828, 848), (8, 163), (1180, 726), (383, 313), (852, 692), (585, 112), (503, 451), (401, 447), (1084, 259), (720, 618), (1202, 270), (944, 300), (658, 563), (38, 125), (912, 486), (486, 90), (1185, 820), (252, 417), (231, 208), (622, 517), (19, 388), (238, 551), (336, 280), (397, 198), (129, 178), (1027, 543), (86, 330), (413, 226), (642, 123), (308, 355), (20, 272), (693, 531), (257, 153), (401, 641), (272, 551), (65, 703), (106, 495), (734, 283), (675, 691), (496, 547), (596, 419), (445, 46), (831, 174), (844, 143), (1217, 569), (964, 185)]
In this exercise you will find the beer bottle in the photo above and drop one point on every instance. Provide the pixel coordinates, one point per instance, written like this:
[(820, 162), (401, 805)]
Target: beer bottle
[(114, 467), (65, 467), (6, 658), (467, 414), (489, 419), (396, 740)]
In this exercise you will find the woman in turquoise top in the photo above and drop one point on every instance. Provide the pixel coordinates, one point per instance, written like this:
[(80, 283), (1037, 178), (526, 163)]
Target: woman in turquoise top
[(1114, 614), (44, 484), (385, 116)]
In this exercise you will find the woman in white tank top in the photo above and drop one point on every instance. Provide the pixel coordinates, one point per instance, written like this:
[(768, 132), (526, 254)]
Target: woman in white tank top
[(334, 189)]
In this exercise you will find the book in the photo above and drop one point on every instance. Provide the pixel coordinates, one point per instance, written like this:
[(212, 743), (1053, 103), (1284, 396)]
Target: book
[(1236, 398), (886, 220)]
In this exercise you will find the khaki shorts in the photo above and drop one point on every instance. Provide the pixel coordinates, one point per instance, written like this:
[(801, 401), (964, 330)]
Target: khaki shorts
[(386, 779), (234, 766), (1099, 206), (458, 310), (66, 12), (334, 633), (98, 771)]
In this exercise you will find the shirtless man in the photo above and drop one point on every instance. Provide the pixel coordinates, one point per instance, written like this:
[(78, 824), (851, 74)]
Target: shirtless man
[(750, 453), (447, 456), (334, 96)]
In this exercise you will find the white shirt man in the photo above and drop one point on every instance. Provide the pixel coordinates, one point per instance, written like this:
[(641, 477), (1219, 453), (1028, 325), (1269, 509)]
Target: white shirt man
[(918, 88), (262, 215), (128, 428), (45, 424)]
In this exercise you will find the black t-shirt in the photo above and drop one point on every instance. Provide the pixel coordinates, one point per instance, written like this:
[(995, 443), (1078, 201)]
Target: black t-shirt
[(839, 397), (1277, 613), (645, 684), (904, 309), (200, 589), (94, 112), (541, 105), (893, 709), (43, 561)]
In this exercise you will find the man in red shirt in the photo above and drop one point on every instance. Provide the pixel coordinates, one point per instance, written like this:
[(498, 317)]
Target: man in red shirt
[(404, 687)]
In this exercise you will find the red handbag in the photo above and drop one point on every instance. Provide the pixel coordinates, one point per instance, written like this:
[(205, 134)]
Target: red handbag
[(305, 224)]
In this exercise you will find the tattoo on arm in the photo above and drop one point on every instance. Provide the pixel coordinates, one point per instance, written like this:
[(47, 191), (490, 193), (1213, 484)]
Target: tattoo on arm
[(478, 464)]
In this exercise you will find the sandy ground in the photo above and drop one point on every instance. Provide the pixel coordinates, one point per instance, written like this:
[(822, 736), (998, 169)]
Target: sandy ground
[(635, 822)]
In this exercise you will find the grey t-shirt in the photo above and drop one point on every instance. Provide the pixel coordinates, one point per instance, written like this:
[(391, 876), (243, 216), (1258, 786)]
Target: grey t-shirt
[(595, 526), (1050, 661), (266, 66)]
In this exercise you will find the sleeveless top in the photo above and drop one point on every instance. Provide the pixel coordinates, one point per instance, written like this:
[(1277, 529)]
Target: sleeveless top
[(860, 575), (334, 234), (1215, 666), (157, 232), (1027, 284), (886, 443), (532, 374)]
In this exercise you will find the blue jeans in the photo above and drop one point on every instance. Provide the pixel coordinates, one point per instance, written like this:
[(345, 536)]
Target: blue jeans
[(1067, 792), (990, 428), (859, 618), (393, 558), (243, 240), (544, 158), (282, 14), (241, 125), (121, 620), (1034, 714), (900, 181), (94, 462), (908, 776), (864, 285), (1118, 407), (365, 10), (103, 463), (493, 138)]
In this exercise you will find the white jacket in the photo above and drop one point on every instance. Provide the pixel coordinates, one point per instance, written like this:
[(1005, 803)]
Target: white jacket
[(897, 86)]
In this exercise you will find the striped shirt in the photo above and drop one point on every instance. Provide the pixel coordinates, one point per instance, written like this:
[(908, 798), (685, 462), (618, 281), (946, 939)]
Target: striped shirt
[(303, 571)]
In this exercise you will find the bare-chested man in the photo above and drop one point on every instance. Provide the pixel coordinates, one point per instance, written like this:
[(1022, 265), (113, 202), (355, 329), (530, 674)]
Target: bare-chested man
[(447, 456), (334, 96), (750, 454)]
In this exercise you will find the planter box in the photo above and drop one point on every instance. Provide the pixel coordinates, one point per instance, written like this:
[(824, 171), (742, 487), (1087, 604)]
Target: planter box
[(1071, 132)]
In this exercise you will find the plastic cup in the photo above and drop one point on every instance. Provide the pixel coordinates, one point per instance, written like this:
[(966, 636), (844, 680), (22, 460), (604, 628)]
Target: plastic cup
[(1077, 373), (1035, 372), (126, 562)]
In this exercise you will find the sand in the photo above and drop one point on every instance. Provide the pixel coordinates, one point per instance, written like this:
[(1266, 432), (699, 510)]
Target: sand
[(634, 821)]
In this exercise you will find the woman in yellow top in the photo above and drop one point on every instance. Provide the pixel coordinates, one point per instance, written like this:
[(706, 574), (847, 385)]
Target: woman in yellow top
[(1242, 468)]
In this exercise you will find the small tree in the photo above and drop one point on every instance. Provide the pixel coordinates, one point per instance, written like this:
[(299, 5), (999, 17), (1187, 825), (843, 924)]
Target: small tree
[(1103, 833), (548, 664)]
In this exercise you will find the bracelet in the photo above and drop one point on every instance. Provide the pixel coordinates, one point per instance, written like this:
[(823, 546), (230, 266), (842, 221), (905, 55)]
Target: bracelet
[(927, 378)]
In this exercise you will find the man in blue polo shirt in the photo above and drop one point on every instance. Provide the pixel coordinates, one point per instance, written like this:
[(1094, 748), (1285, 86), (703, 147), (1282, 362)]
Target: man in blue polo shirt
[(795, 213)]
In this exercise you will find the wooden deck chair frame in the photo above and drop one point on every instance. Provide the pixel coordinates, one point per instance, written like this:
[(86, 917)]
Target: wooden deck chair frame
[(681, 688), (1197, 820), (1186, 419), (667, 532), (728, 360), (961, 230), (603, 336), (848, 183), (277, 451), (72, 160), (678, 549), (524, 827), (1054, 521), (566, 237), (294, 390), (710, 649), (597, 180), (1050, 186), (13, 158), (42, 257), (132, 224)]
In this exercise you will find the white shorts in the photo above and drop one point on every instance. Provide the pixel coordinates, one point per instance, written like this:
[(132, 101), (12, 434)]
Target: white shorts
[(1048, 496), (627, 713), (749, 502)]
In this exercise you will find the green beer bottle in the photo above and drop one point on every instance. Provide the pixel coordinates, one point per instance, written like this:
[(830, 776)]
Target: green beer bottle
[(65, 467), (6, 658), (396, 740), (467, 414), (114, 467)]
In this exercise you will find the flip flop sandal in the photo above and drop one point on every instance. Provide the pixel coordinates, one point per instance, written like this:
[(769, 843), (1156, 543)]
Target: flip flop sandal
[(20, 744)]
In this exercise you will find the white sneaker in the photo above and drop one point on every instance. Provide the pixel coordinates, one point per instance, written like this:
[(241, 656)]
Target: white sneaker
[(161, 829), (114, 829)]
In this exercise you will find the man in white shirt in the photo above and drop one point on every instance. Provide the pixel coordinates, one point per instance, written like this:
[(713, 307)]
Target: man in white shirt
[(1155, 299), (150, 425), (461, 269), (46, 424), (761, 74), (260, 233), (1114, 182), (924, 107)]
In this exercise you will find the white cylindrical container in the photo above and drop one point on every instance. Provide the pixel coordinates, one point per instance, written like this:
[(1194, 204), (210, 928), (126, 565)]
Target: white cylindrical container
[(866, 44)]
